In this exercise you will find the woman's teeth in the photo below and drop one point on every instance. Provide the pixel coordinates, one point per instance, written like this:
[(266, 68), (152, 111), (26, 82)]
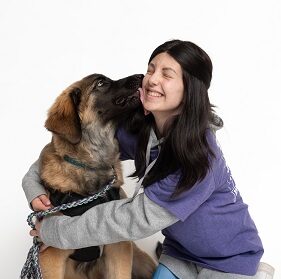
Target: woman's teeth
[(153, 94)]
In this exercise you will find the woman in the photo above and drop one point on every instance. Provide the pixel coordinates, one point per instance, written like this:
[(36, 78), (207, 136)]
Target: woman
[(189, 192)]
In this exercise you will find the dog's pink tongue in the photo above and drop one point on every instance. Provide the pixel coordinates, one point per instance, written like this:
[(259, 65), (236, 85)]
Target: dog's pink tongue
[(141, 94), (146, 112)]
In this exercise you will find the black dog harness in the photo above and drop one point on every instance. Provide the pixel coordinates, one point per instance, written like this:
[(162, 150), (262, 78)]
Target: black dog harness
[(57, 198)]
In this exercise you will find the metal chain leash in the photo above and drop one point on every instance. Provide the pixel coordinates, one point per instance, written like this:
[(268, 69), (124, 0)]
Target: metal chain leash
[(31, 268)]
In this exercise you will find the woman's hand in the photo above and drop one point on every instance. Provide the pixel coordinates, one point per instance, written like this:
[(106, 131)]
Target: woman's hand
[(36, 232), (41, 203)]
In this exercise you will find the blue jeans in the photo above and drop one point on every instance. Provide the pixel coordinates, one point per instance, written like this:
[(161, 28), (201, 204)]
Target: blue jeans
[(194, 271), (162, 272)]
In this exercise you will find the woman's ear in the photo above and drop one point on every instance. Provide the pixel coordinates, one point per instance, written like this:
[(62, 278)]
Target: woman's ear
[(63, 118)]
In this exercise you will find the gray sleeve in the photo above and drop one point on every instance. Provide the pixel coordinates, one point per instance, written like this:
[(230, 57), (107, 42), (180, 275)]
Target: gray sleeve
[(31, 183), (126, 219)]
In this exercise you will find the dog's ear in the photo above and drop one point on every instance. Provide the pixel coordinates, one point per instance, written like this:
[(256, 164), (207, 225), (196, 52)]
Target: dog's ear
[(63, 118)]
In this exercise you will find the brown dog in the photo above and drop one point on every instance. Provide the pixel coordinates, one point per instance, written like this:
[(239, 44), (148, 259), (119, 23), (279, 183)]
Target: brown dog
[(81, 159)]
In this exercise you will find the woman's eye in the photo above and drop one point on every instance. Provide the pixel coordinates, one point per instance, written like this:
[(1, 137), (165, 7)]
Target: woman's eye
[(100, 83), (167, 76), (149, 70)]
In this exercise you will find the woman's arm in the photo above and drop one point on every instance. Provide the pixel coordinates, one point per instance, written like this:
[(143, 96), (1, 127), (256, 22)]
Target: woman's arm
[(126, 219), (31, 183)]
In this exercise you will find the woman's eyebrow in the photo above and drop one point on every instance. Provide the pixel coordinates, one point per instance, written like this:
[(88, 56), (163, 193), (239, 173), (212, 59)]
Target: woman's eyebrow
[(169, 69), (164, 69)]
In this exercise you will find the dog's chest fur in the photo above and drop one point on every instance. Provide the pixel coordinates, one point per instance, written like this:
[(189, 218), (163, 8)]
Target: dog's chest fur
[(98, 148), (99, 143)]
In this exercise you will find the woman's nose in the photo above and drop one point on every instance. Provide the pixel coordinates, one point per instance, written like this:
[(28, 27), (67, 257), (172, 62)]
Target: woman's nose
[(153, 79)]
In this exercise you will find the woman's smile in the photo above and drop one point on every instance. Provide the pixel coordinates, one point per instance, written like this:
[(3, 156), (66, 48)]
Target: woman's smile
[(153, 93)]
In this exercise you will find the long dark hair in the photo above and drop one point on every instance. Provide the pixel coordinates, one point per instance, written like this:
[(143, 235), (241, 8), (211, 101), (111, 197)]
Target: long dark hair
[(185, 147)]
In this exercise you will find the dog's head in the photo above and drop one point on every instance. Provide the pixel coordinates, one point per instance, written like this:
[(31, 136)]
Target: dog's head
[(95, 97)]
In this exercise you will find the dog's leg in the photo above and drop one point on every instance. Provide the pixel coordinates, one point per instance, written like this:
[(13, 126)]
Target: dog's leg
[(143, 264), (53, 261), (118, 259)]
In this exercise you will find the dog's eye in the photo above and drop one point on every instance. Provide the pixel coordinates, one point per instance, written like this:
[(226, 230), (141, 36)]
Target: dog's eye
[(100, 83)]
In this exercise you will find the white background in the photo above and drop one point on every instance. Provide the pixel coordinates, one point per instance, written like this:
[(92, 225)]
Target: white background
[(46, 45)]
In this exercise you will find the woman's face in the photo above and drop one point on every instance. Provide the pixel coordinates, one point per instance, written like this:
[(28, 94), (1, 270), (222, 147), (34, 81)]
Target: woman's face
[(162, 86)]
